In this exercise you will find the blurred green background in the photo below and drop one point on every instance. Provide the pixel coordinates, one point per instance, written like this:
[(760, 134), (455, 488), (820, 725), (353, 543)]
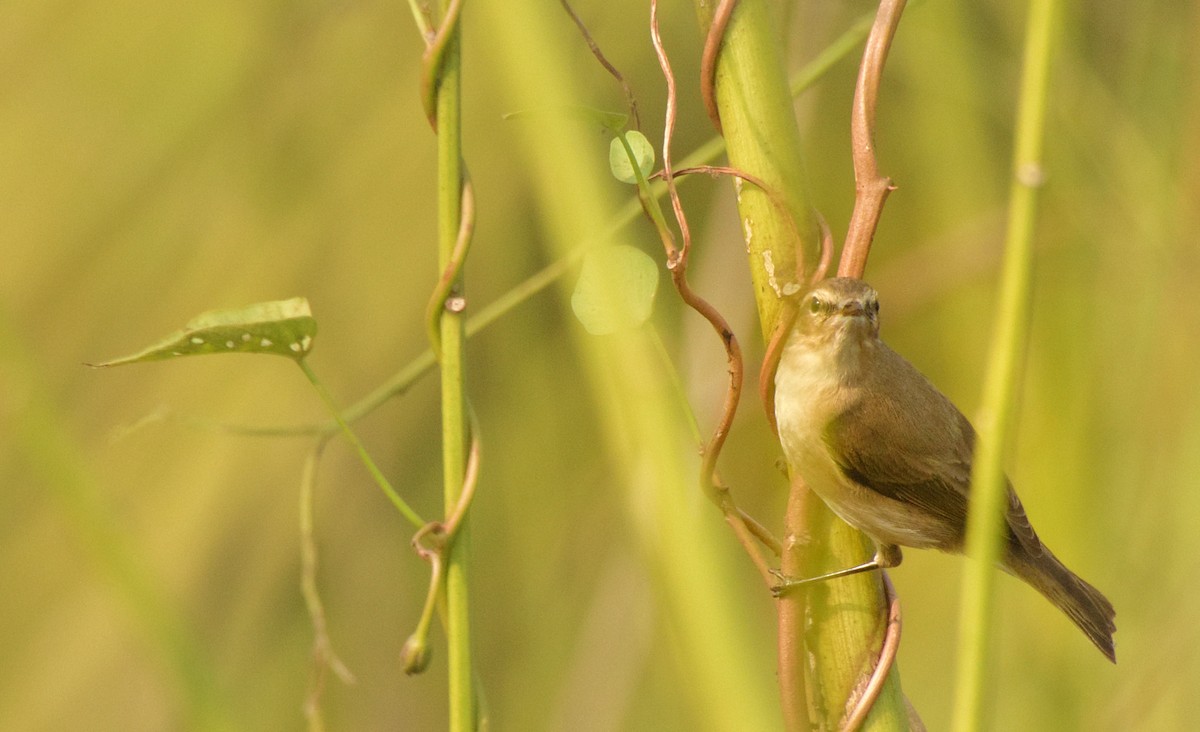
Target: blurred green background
[(158, 159)]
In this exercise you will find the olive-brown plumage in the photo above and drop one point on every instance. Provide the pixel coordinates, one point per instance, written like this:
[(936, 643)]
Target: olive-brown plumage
[(891, 455)]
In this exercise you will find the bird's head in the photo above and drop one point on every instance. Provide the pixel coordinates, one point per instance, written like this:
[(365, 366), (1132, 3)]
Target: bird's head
[(839, 311)]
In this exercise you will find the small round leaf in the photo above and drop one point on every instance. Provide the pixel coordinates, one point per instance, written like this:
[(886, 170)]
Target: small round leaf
[(621, 164), (615, 290)]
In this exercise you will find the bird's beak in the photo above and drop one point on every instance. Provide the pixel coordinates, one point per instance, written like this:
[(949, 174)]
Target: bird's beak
[(854, 309)]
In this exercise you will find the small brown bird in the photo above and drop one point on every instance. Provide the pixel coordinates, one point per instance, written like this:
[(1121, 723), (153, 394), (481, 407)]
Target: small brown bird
[(891, 456)]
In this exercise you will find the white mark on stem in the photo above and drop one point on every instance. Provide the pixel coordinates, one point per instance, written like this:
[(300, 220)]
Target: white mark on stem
[(1031, 175), (769, 268)]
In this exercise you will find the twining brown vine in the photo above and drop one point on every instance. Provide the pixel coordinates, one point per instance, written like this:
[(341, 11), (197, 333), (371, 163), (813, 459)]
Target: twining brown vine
[(871, 188), (745, 528), (708, 60), (630, 100)]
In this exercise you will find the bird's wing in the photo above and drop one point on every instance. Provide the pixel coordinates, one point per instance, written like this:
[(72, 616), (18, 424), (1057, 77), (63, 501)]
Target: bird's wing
[(898, 464), (920, 460), (913, 447)]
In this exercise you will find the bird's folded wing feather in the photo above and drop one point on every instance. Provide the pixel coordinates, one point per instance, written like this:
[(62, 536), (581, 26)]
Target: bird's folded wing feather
[(922, 459), (899, 465)]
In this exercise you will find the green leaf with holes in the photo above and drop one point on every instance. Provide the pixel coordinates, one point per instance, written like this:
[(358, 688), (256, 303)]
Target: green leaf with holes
[(618, 156), (282, 328), (615, 290)]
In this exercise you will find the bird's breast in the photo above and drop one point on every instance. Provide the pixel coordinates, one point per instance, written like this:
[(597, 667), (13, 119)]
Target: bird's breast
[(808, 394), (812, 389)]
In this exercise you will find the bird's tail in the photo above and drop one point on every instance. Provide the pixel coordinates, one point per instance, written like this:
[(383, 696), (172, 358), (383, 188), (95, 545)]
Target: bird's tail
[(1084, 604)]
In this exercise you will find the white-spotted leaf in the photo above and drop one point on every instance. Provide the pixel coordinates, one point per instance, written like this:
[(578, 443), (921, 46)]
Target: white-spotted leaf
[(618, 156), (281, 327), (615, 290)]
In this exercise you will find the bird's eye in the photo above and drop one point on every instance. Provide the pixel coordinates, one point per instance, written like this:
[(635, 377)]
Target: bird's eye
[(874, 306), (814, 305)]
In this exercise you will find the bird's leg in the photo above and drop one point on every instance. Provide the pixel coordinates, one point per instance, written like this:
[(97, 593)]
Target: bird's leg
[(886, 555)]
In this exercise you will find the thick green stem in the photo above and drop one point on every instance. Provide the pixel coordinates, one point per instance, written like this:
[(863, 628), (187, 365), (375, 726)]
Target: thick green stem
[(763, 139), (455, 429), (1008, 349), (846, 617)]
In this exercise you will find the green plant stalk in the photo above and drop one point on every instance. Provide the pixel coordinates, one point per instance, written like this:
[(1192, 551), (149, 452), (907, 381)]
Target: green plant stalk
[(845, 617), (762, 138), (646, 196), (308, 587), (380, 479), (1010, 340), (455, 429)]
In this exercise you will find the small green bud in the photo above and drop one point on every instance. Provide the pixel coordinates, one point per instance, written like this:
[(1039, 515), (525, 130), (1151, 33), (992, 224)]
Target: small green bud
[(414, 656)]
